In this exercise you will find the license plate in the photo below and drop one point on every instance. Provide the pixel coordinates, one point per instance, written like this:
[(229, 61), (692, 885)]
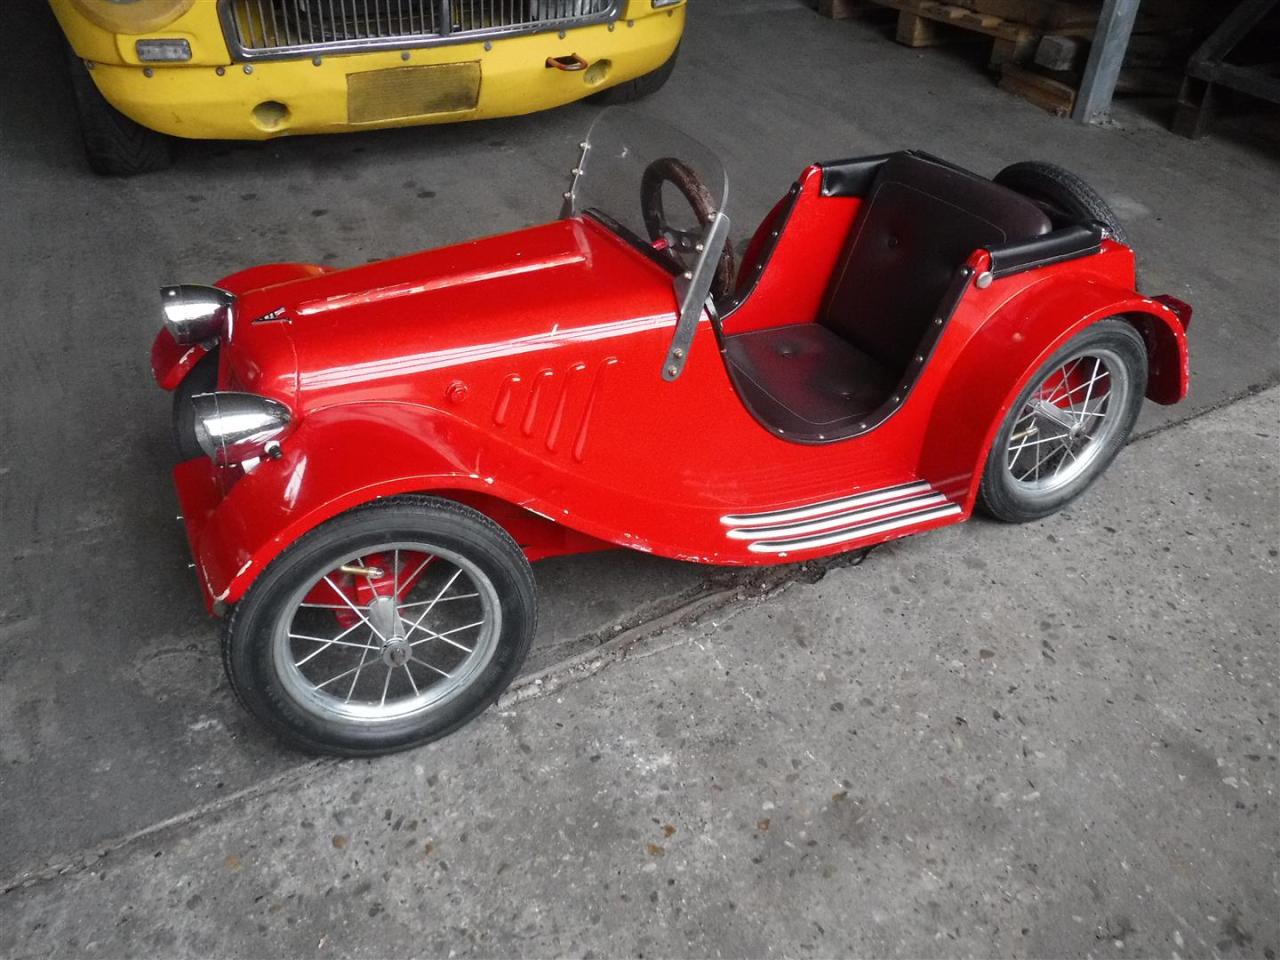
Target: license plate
[(406, 92)]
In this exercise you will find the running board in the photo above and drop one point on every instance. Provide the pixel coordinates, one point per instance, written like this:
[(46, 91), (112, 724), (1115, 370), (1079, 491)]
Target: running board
[(842, 520)]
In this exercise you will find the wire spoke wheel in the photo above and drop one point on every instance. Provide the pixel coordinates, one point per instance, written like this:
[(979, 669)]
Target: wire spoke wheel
[(388, 626), (1067, 424), (387, 633), (1067, 420)]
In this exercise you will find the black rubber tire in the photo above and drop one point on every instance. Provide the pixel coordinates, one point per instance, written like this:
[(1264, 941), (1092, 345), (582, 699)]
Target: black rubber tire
[(639, 88), (202, 378), (246, 635), (997, 496), (114, 145), (1062, 192)]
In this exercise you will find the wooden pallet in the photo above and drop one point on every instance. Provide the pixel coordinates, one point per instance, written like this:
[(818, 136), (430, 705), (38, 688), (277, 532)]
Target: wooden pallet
[(1045, 92), (927, 23)]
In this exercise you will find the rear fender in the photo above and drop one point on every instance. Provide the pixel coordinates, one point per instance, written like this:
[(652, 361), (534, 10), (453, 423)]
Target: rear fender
[(1022, 334), (340, 458)]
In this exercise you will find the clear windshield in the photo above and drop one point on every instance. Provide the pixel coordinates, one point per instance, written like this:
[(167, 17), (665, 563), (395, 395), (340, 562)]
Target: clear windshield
[(664, 192), (629, 154)]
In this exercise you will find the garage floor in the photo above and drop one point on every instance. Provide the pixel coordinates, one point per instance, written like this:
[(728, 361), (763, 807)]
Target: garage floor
[(113, 711)]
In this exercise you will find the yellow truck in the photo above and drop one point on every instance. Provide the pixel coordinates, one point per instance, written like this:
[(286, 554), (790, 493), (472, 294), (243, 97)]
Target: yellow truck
[(147, 70)]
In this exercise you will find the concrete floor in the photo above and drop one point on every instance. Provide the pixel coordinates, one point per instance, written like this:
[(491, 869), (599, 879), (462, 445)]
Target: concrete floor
[(1052, 740), (113, 711)]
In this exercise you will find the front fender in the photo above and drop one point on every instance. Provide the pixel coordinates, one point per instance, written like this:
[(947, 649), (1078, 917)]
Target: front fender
[(337, 459), (1023, 333)]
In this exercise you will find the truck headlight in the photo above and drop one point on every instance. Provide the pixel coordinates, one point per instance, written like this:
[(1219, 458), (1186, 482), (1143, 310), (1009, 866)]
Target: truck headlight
[(235, 427), (195, 313), (132, 16)]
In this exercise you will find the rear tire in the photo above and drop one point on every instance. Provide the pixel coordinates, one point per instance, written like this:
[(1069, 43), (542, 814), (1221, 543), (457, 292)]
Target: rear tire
[(1067, 424), (277, 653), (114, 145), (639, 88)]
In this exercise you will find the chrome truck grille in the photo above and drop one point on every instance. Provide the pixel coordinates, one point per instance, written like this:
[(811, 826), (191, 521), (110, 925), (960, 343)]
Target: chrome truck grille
[(285, 28)]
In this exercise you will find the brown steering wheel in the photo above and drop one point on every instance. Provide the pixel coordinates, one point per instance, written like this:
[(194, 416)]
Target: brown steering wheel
[(682, 245)]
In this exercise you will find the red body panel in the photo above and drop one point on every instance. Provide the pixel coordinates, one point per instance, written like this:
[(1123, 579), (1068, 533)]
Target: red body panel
[(521, 374)]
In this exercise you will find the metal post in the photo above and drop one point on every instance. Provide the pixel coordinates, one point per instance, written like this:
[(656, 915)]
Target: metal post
[(1110, 41)]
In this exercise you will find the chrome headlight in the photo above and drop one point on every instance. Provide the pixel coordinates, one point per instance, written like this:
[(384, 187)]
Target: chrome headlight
[(234, 427), (132, 16), (195, 313)]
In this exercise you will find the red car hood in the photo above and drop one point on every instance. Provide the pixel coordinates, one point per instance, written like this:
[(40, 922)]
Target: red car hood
[(371, 332)]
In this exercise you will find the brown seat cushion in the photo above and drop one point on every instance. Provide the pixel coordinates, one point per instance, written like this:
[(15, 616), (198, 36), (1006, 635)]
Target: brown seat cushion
[(804, 380)]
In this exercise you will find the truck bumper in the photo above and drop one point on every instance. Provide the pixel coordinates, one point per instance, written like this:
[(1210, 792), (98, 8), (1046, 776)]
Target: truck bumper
[(387, 88)]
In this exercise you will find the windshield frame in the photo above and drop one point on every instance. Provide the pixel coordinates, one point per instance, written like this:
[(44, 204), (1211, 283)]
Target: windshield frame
[(614, 151)]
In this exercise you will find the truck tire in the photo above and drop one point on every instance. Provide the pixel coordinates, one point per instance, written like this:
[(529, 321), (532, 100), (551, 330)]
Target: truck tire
[(113, 144)]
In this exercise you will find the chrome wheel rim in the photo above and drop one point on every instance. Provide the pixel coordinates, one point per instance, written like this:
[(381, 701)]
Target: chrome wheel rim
[(390, 632), (1066, 422)]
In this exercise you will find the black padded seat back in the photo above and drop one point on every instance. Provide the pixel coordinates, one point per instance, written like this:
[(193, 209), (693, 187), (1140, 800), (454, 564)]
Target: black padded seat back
[(920, 221)]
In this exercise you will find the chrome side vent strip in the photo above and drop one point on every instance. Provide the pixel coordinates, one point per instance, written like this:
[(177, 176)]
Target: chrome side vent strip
[(856, 533), (778, 517), (842, 520)]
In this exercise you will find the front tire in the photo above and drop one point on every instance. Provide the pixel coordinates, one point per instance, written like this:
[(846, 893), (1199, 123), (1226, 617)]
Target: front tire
[(114, 145), (1067, 424), (385, 628), (202, 378)]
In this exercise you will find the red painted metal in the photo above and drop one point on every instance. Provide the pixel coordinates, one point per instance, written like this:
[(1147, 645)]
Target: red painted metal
[(521, 374)]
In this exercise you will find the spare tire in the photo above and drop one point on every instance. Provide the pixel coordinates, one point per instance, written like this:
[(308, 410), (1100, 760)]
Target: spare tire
[(1064, 195), (1062, 192)]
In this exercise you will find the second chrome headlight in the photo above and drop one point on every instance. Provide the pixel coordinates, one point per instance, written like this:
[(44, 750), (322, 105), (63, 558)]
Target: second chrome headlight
[(235, 427)]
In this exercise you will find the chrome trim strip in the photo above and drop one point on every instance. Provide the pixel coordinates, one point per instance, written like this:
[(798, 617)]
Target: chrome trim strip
[(857, 533), (437, 32), (779, 517), (850, 519)]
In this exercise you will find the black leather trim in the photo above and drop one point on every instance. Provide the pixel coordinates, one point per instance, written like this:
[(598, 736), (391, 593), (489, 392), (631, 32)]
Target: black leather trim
[(766, 254), (1066, 244), (851, 178), (858, 423)]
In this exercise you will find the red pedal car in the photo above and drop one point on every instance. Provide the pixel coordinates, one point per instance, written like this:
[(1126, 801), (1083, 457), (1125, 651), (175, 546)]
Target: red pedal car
[(375, 455)]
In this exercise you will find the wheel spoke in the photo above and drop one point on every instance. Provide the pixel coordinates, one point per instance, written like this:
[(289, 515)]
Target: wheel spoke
[(447, 676), (432, 635), (413, 576), (344, 673), (355, 609), (356, 679), (431, 606), (386, 685), (367, 578), (1053, 439), (1097, 362), (413, 683), (1064, 374), (335, 640), (1039, 463), (1014, 457), (327, 644), (456, 596)]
